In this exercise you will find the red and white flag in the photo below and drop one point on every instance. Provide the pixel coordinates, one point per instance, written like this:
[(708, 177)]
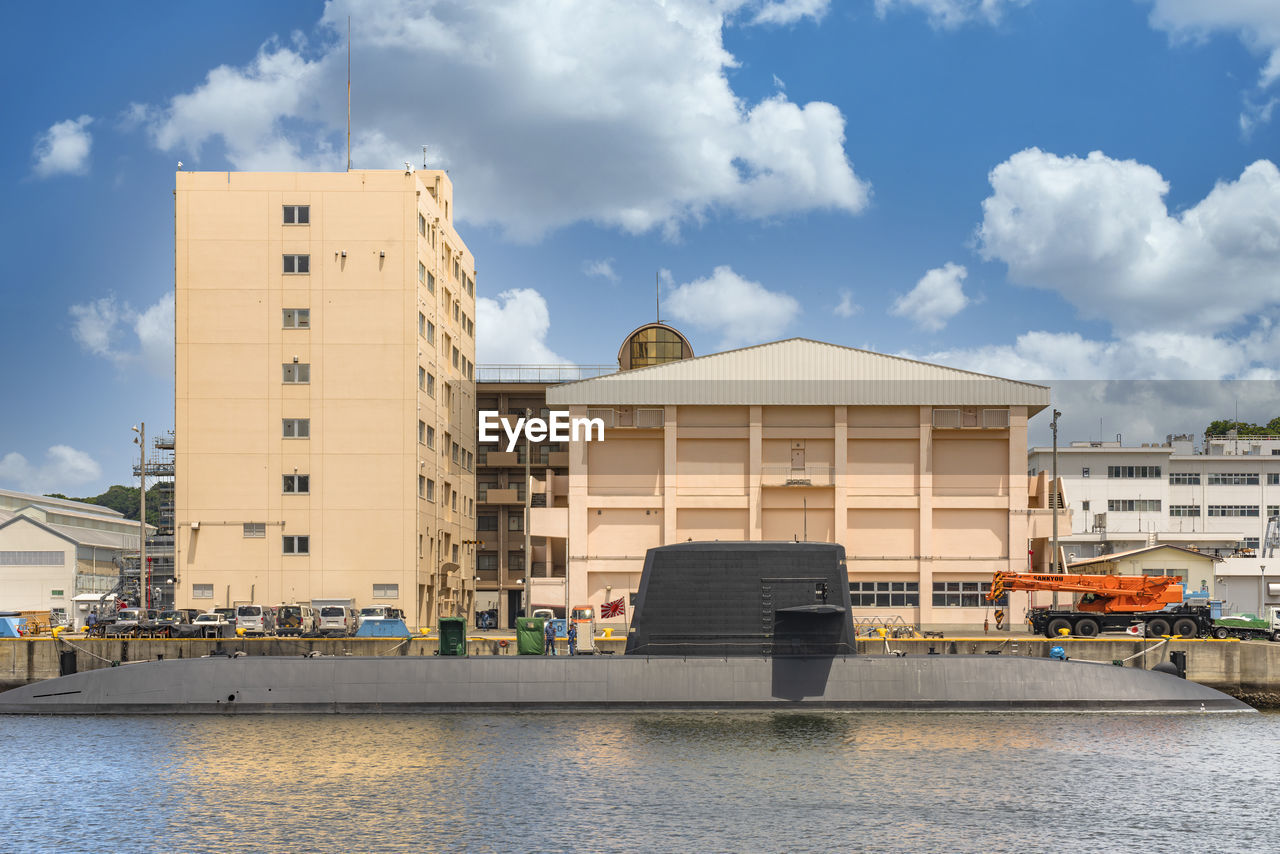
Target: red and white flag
[(1137, 629), (616, 608)]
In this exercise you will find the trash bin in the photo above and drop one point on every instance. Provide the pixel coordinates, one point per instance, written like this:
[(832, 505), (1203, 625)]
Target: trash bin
[(453, 636), (530, 639)]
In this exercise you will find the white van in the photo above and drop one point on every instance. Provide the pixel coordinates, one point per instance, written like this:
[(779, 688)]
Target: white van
[(293, 619), (337, 620), (255, 620)]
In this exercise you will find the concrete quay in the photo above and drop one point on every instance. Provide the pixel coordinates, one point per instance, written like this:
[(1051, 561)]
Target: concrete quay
[(1247, 670)]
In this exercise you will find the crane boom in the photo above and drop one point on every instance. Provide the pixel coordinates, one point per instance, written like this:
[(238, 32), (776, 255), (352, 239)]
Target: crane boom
[(1104, 594)]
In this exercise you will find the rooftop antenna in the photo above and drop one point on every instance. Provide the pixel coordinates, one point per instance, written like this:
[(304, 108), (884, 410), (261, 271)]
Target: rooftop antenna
[(657, 295), (424, 157), (348, 93)]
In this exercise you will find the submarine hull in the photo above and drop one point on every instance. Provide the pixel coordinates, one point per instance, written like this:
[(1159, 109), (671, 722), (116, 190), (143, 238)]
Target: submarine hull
[(406, 684)]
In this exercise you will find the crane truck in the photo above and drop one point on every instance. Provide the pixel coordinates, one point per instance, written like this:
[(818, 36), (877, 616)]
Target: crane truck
[(1110, 603)]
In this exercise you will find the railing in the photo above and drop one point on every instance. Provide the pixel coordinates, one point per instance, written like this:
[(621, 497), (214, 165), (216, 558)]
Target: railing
[(540, 373)]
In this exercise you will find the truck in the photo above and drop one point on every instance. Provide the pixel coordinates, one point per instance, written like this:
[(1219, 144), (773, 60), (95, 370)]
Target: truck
[(1248, 626), (1140, 604)]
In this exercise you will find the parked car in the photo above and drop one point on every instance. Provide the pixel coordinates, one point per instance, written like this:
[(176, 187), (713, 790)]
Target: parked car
[(229, 613), (170, 623), (296, 620), (255, 620), (338, 620), (211, 625), (382, 611), (132, 622)]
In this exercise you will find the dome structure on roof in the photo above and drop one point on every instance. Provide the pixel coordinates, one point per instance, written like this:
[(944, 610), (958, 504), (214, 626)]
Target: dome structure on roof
[(653, 344)]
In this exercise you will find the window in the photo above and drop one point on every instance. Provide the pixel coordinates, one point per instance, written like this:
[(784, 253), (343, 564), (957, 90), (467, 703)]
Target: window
[(1186, 478), (455, 358), (422, 272), (431, 283), (487, 522), (297, 214), (422, 486), (297, 483), (422, 432), (455, 554), (431, 332), (515, 522), (453, 454), (1233, 509), (457, 312), (297, 263), (1084, 472), (1184, 510), (33, 558), (296, 428), (467, 460), (422, 225), (884, 594), (1273, 479), (296, 374), (297, 545), (386, 591), (1133, 471), (297, 318), (487, 561), (963, 594), (1273, 510), (431, 490), (202, 591), (255, 530), (456, 268), (431, 385), (1250, 543), (1084, 505), (453, 501), (422, 325), (1129, 505), (515, 561), (431, 437), (1217, 478)]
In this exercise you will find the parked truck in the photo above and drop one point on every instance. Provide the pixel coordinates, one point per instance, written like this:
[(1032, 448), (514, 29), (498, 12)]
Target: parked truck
[(1248, 626), (1139, 604)]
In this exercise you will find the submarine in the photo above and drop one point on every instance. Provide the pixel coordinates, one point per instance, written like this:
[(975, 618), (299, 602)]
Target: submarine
[(735, 626)]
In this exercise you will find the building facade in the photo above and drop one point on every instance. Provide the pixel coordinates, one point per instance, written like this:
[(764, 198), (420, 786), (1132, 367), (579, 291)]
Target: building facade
[(53, 550), (325, 391), (1216, 498), (916, 469)]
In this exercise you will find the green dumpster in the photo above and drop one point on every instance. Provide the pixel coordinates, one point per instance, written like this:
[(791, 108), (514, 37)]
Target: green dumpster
[(529, 636), (453, 636)]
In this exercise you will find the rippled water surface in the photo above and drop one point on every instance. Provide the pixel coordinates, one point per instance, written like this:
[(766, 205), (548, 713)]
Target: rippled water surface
[(642, 782)]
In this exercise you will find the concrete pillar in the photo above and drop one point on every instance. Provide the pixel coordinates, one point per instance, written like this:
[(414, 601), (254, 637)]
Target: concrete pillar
[(924, 493), (755, 454), (670, 477)]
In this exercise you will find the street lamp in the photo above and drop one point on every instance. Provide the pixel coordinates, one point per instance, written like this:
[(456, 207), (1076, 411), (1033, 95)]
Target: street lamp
[(141, 441), (1053, 501), (528, 503)]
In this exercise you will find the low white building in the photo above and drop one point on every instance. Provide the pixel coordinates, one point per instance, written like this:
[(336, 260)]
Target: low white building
[(53, 550), (1216, 498)]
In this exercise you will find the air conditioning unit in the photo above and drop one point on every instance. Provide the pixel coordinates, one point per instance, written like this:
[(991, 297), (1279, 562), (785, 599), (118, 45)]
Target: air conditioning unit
[(995, 418), (946, 418), (605, 415)]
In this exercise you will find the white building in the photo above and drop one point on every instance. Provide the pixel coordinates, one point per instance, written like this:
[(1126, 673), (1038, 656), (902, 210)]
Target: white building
[(1216, 499), (52, 550)]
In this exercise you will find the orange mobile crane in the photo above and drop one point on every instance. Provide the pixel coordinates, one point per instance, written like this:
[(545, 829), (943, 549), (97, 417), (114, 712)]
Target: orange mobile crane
[(1109, 603)]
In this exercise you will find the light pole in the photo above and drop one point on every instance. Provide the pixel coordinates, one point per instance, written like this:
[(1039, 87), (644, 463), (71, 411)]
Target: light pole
[(528, 504), (141, 440), (1053, 501)]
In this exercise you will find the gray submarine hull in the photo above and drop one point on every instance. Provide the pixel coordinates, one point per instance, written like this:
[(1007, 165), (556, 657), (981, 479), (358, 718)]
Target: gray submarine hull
[(430, 684)]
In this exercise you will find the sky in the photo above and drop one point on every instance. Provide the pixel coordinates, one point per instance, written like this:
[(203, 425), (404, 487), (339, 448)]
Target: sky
[(1075, 192)]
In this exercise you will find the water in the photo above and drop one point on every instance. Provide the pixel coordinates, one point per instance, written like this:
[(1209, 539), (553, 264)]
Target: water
[(641, 782)]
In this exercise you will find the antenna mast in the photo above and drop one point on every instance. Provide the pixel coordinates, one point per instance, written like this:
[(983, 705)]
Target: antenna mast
[(348, 93), (657, 295)]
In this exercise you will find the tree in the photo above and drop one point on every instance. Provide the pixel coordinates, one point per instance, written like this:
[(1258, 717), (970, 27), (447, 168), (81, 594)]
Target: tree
[(124, 500), (1243, 428)]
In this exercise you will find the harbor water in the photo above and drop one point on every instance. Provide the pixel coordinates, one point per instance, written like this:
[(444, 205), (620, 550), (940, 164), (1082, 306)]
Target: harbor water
[(642, 782)]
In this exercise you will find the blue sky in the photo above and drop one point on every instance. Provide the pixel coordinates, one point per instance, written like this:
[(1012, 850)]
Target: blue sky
[(1050, 190)]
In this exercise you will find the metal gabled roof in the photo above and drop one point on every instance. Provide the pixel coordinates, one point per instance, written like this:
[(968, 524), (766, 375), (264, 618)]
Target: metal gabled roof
[(798, 372)]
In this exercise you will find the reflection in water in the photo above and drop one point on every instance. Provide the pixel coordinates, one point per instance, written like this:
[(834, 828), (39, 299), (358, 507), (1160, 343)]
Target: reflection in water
[(633, 782)]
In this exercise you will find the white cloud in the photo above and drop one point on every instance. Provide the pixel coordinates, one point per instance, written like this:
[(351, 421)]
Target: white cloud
[(936, 298), (741, 311), (949, 14), (98, 327), (512, 330), (625, 113), (790, 11), (602, 269), (1098, 232), (64, 148), (846, 307), (1256, 22), (64, 467)]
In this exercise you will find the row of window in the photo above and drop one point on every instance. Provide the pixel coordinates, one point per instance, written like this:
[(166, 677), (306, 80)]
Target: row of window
[(380, 591), (1190, 478), (906, 594), (1130, 505), (1183, 510), (1133, 471)]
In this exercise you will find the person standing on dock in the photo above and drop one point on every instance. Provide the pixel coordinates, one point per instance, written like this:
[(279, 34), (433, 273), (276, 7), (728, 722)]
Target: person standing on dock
[(573, 637), (549, 629)]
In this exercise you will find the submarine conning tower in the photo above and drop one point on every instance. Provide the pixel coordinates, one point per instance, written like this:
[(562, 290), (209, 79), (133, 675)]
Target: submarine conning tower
[(743, 598)]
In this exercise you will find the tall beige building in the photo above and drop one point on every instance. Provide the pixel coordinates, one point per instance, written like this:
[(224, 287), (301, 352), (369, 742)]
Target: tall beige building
[(325, 391)]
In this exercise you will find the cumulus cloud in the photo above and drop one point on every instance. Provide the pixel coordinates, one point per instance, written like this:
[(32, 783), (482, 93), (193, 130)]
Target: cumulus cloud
[(64, 148), (846, 307), (625, 111), (64, 467), (741, 311), (936, 298), (102, 328), (602, 269), (1098, 232), (949, 14), (790, 11), (1256, 22), (512, 330)]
